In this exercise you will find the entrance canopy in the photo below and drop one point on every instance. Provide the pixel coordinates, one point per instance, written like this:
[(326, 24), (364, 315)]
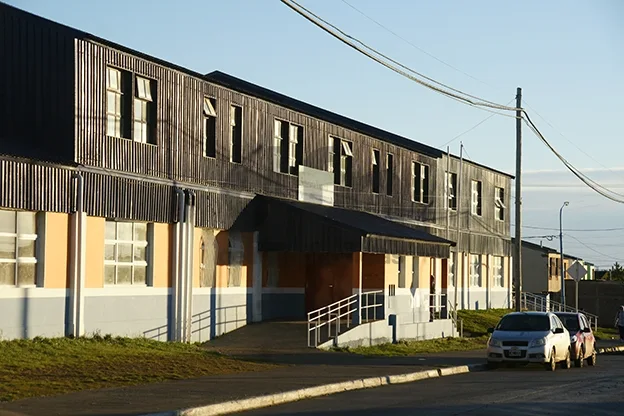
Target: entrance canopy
[(287, 225)]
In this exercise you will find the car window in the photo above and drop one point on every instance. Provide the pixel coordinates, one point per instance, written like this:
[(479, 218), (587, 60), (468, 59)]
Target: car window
[(585, 322), (571, 323), (553, 322), (524, 323)]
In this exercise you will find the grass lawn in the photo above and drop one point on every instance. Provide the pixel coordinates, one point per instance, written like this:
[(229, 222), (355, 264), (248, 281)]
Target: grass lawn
[(406, 348), (50, 366), (476, 323), (606, 333)]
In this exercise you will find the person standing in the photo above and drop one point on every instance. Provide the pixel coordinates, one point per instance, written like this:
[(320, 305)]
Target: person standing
[(619, 322)]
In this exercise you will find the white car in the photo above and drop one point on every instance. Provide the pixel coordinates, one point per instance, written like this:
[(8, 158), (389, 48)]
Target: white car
[(529, 337)]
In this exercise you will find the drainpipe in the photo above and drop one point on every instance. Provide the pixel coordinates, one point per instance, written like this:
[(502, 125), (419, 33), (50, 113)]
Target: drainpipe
[(178, 268), (190, 237), (77, 265)]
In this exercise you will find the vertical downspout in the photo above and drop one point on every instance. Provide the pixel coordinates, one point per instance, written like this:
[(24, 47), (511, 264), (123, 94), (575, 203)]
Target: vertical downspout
[(78, 259), (190, 249), (178, 267)]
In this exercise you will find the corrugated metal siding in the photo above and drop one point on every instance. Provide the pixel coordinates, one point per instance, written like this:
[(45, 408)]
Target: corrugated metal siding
[(34, 187), (375, 244), (36, 87)]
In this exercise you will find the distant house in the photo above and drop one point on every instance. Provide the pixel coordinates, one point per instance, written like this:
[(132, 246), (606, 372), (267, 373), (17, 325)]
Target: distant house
[(541, 269)]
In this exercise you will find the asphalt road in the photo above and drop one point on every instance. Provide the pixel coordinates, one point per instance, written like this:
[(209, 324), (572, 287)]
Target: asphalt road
[(521, 391)]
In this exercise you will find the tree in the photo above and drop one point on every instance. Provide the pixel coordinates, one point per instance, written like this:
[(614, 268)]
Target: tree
[(616, 272)]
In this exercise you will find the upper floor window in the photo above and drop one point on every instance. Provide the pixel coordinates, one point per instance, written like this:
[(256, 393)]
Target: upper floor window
[(341, 157), (420, 182), (144, 120), (114, 94), (476, 206), (18, 238), (389, 173), (450, 190), (236, 134), (376, 171), (210, 127), (499, 203), (125, 253), (287, 147)]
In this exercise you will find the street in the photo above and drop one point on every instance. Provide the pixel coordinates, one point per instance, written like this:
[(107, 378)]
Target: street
[(506, 391)]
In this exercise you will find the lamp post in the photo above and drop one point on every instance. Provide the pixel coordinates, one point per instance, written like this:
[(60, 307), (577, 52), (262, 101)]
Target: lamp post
[(565, 204)]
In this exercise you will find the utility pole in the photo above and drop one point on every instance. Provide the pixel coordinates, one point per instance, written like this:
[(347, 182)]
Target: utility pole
[(563, 294), (517, 257), (459, 257)]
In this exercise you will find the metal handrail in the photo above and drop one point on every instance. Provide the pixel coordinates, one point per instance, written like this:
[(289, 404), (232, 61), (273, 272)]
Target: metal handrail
[(335, 312), (437, 305), (531, 301), (458, 323)]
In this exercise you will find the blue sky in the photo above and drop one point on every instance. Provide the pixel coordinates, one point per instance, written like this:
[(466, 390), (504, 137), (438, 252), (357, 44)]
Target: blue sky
[(565, 54)]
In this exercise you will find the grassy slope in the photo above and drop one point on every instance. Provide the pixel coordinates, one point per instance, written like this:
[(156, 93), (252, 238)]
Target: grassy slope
[(41, 367)]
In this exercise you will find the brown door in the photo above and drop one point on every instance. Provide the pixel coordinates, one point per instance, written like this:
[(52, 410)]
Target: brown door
[(328, 279)]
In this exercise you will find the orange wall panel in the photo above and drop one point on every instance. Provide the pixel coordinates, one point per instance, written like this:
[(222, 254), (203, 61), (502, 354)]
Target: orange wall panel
[(57, 249), (161, 261)]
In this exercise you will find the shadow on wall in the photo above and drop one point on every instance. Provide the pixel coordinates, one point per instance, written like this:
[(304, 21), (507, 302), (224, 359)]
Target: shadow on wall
[(207, 324)]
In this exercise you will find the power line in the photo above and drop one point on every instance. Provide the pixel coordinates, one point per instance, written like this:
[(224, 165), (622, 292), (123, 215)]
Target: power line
[(413, 45), (589, 248), (572, 230), (475, 126), (344, 37)]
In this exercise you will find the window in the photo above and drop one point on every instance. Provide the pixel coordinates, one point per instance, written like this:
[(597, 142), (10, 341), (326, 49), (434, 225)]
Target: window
[(450, 189), (499, 203), (18, 239), (236, 251), (210, 127), (420, 183), (143, 107), (389, 173), (415, 271), (497, 272), (125, 253), (476, 198), (287, 147), (376, 172), (236, 134), (113, 102), (341, 153), (208, 251), (451, 268), (402, 272), (475, 270)]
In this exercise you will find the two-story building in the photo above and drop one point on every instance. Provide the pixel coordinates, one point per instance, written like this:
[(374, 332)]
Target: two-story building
[(142, 198)]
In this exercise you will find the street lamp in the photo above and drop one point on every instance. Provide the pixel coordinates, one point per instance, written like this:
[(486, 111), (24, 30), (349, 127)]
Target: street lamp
[(565, 204)]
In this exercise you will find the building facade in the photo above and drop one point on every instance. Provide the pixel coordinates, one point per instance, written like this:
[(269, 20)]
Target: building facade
[(143, 199)]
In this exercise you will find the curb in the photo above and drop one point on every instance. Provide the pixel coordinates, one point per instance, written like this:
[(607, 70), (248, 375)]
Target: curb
[(606, 350), (235, 406)]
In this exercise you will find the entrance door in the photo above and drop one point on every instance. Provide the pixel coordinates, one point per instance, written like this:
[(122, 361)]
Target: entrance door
[(328, 279)]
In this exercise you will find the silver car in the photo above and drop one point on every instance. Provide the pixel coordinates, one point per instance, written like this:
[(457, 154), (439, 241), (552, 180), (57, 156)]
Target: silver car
[(529, 337)]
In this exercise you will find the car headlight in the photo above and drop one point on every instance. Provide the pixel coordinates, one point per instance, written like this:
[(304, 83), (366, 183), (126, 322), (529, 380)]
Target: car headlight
[(538, 342), (496, 342), (573, 339)]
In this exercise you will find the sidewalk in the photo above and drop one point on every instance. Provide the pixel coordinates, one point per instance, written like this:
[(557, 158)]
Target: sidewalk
[(324, 368)]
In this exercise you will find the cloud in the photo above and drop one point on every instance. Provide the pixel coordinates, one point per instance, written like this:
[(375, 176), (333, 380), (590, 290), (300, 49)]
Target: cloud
[(584, 170)]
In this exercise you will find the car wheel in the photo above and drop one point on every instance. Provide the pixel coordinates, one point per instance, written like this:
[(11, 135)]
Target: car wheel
[(580, 359), (566, 364), (552, 363), (592, 358)]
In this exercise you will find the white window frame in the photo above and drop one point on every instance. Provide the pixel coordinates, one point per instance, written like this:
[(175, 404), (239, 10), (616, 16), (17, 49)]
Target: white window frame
[(331, 153), (277, 145), (233, 109), (498, 272), (140, 121), (345, 152), (293, 140), (475, 270), (499, 204), (209, 112), (451, 268), (476, 198), (113, 92), (17, 259), (132, 264), (449, 191)]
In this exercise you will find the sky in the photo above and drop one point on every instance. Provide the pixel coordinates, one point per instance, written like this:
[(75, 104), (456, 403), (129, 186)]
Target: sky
[(566, 55)]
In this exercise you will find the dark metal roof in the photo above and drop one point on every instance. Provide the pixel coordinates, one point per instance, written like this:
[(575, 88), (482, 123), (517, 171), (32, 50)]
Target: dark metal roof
[(245, 87), (364, 222), (545, 249)]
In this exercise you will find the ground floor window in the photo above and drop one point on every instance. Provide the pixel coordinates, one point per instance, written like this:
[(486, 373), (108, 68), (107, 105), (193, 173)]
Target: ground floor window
[(18, 240), (236, 253), (452, 264), (475, 270), (125, 254), (208, 252), (498, 273)]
